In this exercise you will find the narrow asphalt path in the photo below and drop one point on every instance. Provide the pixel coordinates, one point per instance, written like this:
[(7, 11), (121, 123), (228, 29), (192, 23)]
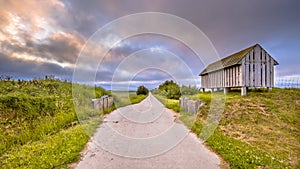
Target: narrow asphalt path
[(144, 136)]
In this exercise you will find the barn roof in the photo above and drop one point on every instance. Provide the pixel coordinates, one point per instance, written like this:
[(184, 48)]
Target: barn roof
[(228, 61)]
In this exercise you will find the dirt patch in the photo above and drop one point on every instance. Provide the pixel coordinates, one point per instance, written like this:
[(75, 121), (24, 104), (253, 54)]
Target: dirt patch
[(223, 164), (176, 115)]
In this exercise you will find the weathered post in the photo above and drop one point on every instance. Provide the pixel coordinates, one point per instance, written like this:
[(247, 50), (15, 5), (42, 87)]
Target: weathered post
[(244, 91), (226, 90)]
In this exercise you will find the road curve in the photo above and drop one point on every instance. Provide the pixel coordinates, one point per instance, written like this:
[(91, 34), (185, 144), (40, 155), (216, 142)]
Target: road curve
[(145, 136)]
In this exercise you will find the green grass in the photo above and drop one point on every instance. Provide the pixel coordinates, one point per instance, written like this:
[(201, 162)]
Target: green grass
[(270, 122), (187, 118), (237, 153), (257, 130), (137, 99), (56, 150), (169, 103), (124, 98), (38, 123), (39, 126)]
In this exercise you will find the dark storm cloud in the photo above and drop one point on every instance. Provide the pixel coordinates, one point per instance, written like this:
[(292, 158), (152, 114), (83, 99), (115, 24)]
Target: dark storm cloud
[(27, 69), (63, 47)]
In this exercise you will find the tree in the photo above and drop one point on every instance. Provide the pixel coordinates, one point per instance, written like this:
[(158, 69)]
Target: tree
[(170, 89), (142, 90)]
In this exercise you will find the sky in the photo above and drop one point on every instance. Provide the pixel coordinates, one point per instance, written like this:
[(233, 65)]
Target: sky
[(39, 38)]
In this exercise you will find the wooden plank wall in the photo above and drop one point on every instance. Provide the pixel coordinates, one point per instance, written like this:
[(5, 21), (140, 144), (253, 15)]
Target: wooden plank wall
[(228, 77), (256, 70), (272, 73), (263, 68), (257, 63)]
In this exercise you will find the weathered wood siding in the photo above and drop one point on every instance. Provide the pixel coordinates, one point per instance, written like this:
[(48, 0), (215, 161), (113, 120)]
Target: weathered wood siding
[(228, 77), (255, 70), (258, 68)]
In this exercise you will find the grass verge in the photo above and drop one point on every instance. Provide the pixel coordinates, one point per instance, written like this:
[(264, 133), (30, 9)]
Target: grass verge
[(124, 98), (54, 151), (169, 103)]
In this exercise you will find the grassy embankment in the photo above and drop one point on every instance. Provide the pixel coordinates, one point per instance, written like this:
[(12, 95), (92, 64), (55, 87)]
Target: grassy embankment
[(39, 127), (123, 98), (257, 130)]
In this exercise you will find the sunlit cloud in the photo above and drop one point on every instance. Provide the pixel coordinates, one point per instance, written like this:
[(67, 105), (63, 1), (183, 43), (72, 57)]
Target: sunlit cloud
[(39, 60)]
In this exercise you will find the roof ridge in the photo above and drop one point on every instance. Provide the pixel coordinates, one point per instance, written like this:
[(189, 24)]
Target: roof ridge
[(242, 50), (229, 60)]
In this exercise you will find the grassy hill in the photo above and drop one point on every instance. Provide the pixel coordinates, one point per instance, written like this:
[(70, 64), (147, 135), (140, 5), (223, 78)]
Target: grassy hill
[(258, 130)]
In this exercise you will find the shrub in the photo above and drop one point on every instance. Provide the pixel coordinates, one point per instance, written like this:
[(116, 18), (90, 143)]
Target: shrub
[(170, 89), (142, 90)]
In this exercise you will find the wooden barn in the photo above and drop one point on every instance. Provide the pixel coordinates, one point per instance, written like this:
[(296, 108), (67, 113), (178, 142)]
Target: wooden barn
[(250, 68)]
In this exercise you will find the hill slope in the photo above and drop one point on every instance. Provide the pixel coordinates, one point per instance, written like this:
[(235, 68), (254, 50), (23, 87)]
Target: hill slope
[(260, 129), (38, 124), (267, 121)]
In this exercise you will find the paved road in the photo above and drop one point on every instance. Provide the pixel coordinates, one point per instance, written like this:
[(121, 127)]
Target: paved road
[(144, 136)]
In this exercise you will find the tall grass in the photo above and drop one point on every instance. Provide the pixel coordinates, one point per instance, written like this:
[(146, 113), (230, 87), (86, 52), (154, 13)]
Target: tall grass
[(34, 112)]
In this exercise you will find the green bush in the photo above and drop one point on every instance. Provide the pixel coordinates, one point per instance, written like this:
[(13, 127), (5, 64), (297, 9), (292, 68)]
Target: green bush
[(142, 90), (170, 89)]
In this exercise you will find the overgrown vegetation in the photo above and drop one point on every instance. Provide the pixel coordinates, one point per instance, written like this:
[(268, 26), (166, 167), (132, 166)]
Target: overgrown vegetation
[(38, 123), (257, 130)]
